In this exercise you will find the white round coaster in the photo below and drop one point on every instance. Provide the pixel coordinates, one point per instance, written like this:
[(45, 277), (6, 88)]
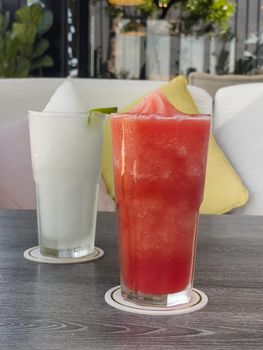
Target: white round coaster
[(114, 298), (34, 254)]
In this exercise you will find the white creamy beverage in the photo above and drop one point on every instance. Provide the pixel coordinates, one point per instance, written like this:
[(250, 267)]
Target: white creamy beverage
[(66, 151)]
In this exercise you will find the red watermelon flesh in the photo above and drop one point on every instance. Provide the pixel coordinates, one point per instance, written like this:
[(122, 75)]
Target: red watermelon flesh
[(155, 102)]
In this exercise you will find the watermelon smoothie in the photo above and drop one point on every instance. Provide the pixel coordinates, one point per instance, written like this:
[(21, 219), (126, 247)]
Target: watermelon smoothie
[(159, 171)]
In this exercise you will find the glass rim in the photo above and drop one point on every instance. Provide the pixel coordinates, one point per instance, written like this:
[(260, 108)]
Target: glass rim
[(59, 114), (154, 115)]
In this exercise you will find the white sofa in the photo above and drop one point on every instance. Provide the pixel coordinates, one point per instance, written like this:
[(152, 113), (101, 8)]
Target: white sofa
[(238, 128), (17, 96)]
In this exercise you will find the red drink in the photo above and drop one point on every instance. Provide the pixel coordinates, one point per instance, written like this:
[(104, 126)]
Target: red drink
[(159, 169)]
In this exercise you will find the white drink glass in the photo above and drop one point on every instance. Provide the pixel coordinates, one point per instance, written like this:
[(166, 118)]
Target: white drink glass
[(66, 152)]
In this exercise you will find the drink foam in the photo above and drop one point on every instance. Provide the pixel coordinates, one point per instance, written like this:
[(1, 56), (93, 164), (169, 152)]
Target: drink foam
[(66, 99)]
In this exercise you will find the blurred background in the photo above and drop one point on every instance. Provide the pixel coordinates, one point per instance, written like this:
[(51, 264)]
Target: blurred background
[(130, 39)]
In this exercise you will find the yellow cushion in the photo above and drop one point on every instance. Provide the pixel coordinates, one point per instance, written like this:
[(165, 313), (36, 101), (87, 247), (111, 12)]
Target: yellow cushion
[(224, 190)]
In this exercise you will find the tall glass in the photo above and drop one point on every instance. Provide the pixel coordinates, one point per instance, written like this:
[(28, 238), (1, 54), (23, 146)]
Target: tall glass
[(159, 171), (66, 154)]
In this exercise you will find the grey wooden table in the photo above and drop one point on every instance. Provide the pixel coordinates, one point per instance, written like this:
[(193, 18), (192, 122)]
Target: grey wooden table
[(62, 307)]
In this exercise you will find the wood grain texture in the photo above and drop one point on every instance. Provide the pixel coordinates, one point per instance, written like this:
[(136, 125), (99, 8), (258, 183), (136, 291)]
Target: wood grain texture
[(51, 307)]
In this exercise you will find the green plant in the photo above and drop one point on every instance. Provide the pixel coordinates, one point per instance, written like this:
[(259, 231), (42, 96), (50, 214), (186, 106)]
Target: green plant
[(195, 16), (23, 48), (217, 13)]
